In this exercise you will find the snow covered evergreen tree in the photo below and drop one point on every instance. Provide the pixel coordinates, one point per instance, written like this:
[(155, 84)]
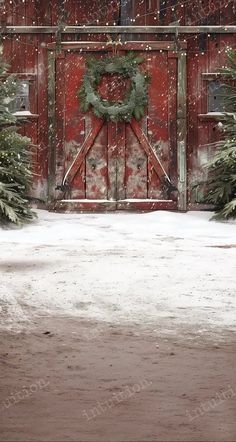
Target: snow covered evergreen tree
[(15, 173), (221, 183)]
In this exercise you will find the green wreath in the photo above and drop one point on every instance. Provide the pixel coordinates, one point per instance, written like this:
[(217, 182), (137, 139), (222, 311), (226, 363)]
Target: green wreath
[(136, 98)]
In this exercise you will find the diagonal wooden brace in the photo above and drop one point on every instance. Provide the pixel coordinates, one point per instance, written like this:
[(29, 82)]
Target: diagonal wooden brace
[(151, 154), (77, 162)]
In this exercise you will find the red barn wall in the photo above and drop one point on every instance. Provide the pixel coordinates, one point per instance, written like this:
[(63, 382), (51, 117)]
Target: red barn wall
[(205, 53)]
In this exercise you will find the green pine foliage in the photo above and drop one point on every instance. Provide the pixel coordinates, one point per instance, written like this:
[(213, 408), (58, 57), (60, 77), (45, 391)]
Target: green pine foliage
[(221, 182), (15, 174)]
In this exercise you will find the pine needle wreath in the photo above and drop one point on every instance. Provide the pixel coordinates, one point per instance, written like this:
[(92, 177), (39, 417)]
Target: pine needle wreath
[(136, 98)]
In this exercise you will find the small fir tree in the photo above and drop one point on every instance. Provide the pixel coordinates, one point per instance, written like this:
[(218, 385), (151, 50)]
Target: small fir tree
[(15, 173), (221, 182)]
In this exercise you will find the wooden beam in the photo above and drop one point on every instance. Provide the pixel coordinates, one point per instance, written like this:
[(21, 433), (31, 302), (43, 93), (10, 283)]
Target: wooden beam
[(78, 206), (159, 169), (76, 164), (134, 46), (51, 125), (182, 132), (231, 29), (146, 205)]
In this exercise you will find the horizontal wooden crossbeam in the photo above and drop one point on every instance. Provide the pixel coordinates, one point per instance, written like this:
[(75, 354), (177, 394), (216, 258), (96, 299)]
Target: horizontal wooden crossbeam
[(77, 206), (128, 46), (118, 29)]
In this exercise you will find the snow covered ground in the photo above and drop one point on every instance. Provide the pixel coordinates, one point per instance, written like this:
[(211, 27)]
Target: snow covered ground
[(162, 270)]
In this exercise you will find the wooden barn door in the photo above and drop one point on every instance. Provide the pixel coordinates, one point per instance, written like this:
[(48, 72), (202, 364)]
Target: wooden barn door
[(100, 165)]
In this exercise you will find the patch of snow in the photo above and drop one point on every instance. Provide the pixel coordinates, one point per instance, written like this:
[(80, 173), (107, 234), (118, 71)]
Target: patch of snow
[(22, 113), (130, 200), (219, 114), (141, 200), (161, 269), (84, 200)]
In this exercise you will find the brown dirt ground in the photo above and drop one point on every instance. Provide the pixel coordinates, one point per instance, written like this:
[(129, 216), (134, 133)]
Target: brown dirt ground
[(82, 371)]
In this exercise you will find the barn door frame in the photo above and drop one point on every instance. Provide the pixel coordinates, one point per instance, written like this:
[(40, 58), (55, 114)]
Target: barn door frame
[(182, 130), (179, 52), (51, 125)]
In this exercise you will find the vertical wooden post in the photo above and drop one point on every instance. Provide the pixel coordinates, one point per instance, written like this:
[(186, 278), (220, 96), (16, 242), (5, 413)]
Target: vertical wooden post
[(51, 125), (181, 131)]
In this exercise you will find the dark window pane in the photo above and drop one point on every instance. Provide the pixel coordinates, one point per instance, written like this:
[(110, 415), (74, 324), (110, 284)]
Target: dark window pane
[(21, 101), (217, 93)]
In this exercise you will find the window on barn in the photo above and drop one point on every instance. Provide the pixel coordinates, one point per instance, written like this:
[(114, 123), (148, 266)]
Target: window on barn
[(21, 101), (217, 92)]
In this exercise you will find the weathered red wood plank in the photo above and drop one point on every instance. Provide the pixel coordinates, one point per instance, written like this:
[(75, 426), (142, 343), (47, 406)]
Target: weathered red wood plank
[(60, 119), (82, 206), (203, 135), (75, 166), (18, 59), (113, 12), (121, 143), (179, 12), (147, 205), (149, 151), (139, 15), (192, 105), (31, 55), (74, 120), (56, 7), (227, 12), (18, 43), (213, 53), (8, 13), (112, 160), (43, 9), (152, 12), (107, 206), (136, 166), (43, 15), (190, 13), (7, 19), (157, 132), (96, 160), (172, 112)]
